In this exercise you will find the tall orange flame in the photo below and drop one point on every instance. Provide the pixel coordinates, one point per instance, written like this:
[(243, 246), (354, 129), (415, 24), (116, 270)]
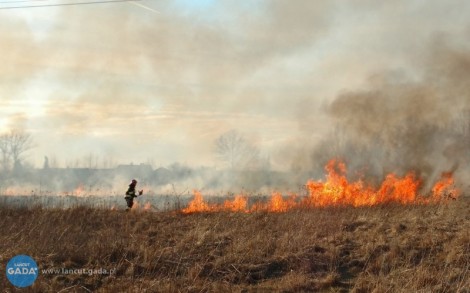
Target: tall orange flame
[(197, 204), (444, 188), (239, 204)]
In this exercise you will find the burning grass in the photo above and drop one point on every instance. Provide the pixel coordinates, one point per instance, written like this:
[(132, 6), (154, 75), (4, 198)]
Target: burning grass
[(337, 190), (385, 248)]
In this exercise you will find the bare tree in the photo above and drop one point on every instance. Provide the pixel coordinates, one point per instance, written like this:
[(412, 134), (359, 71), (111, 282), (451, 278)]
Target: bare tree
[(13, 147), (20, 143), (5, 152), (233, 149)]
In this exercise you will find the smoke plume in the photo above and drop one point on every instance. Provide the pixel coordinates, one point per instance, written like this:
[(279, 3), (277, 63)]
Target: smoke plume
[(400, 124)]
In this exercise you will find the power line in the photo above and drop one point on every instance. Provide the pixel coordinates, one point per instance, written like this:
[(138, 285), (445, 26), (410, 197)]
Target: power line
[(144, 7), (67, 4), (18, 1)]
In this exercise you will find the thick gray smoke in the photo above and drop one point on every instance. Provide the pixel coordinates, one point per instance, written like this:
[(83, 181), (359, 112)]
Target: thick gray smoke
[(402, 124)]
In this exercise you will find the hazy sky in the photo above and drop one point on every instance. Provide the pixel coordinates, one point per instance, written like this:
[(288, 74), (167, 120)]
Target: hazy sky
[(129, 83)]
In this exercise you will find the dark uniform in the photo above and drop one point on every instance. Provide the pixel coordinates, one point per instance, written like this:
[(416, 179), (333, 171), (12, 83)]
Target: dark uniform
[(131, 194)]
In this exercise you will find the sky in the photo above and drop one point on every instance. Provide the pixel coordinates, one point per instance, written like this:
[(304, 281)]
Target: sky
[(160, 80)]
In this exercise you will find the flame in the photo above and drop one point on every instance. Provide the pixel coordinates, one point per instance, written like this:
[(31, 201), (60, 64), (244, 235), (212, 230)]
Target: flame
[(147, 206), (79, 191), (135, 206), (277, 203), (15, 191), (197, 204), (338, 191), (239, 204), (444, 188)]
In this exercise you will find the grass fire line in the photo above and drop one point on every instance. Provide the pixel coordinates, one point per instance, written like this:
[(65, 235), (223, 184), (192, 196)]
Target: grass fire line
[(338, 191)]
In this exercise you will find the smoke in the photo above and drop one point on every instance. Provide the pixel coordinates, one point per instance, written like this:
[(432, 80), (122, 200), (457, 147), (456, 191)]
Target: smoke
[(19, 54), (400, 124), (147, 85), (127, 83)]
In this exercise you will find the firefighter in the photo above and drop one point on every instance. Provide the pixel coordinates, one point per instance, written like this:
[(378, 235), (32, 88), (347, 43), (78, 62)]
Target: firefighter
[(131, 194)]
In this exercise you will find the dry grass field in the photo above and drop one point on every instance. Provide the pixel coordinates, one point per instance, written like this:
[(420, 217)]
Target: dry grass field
[(387, 248)]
